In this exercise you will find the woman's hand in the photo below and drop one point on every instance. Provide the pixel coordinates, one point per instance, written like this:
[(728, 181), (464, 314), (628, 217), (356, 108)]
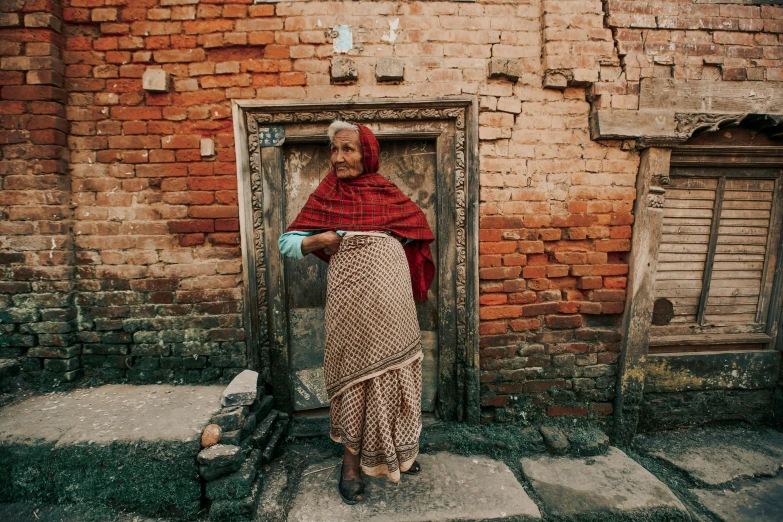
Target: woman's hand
[(329, 242)]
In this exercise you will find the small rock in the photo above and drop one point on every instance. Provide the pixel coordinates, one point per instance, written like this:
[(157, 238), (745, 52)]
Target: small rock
[(219, 460), (588, 442), (211, 435), (230, 419), (555, 440), (234, 486), (232, 437), (531, 438), (242, 390)]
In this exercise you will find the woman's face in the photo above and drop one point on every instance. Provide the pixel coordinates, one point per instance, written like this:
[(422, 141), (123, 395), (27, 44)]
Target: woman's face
[(347, 154)]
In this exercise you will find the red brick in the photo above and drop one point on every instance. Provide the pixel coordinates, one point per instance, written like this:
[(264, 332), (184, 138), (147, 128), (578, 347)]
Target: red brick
[(502, 222), (500, 247), (608, 295), (589, 282), (599, 408), (493, 328), (615, 282), (563, 321), (515, 260), (539, 309), (525, 297), (524, 325), (542, 386), (511, 272), (531, 247), (612, 308), (493, 299), (499, 312), (567, 411), (191, 225)]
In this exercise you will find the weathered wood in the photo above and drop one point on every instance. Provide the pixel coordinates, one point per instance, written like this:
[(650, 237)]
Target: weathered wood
[(704, 348), (710, 339), (277, 314), (706, 96), (640, 296), (448, 362), (250, 312), (716, 215)]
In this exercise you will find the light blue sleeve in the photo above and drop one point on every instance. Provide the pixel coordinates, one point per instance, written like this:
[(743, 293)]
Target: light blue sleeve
[(290, 243)]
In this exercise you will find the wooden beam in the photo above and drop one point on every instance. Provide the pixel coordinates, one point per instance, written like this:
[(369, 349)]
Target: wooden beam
[(640, 296), (621, 125), (707, 276), (709, 96)]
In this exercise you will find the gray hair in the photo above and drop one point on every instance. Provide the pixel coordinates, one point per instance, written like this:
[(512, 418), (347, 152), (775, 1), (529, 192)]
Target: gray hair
[(339, 125)]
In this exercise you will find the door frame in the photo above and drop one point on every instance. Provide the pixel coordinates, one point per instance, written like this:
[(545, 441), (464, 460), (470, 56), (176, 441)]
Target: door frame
[(260, 131)]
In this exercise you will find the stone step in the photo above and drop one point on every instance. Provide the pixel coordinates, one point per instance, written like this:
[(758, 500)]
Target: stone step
[(451, 487), (601, 487), (117, 445), (755, 501)]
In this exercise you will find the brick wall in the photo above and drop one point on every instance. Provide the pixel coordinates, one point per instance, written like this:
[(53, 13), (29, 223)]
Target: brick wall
[(37, 308), (155, 228)]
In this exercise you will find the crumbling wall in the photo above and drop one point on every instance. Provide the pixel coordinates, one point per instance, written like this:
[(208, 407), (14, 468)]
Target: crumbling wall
[(155, 215)]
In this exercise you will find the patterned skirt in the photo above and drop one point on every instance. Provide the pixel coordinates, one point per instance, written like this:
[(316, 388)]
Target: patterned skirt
[(372, 360)]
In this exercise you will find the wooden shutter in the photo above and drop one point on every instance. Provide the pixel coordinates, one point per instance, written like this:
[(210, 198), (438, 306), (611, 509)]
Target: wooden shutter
[(687, 218), (721, 231), (735, 292)]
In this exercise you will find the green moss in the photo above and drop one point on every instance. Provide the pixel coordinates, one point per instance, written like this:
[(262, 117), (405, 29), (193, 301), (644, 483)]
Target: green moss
[(147, 477)]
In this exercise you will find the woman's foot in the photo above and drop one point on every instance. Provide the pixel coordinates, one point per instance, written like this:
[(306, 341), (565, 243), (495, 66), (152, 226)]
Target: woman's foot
[(351, 489), (351, 485), (415, 468)]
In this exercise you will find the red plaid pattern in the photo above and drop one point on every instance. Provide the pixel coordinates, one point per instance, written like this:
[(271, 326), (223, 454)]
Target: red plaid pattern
[(367, 203)]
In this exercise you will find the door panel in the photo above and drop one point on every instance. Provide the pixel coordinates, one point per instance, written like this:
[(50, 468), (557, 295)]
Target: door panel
[(412, 166)]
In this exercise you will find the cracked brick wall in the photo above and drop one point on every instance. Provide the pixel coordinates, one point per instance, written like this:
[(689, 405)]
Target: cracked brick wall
[(158, 288)]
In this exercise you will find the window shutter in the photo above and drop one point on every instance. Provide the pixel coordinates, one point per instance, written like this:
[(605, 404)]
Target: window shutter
[(688, 213), (741, 251)]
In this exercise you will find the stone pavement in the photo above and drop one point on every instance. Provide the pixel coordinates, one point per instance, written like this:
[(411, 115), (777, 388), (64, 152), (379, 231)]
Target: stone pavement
[(478, 488), (605, 484), (453, 488), (735, 471), (112, 413)]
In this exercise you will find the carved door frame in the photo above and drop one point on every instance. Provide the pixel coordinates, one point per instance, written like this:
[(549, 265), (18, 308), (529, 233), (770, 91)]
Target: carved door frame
[(260, 130)]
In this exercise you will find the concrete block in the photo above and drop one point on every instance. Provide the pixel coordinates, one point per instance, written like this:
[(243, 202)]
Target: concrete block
[(343, 70), (156, 80), (389, 70), (242, 390), (555, 80), (207, 147)]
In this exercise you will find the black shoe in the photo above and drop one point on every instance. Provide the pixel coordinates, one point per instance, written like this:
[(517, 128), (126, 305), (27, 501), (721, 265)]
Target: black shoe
[(415, 468), (351, 490)]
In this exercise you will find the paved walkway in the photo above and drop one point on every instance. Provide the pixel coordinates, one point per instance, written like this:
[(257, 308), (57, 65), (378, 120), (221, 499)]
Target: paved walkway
[(735, 471)]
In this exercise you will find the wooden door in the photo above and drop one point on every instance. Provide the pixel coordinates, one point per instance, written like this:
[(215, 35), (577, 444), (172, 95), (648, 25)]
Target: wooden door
[(412, 166)]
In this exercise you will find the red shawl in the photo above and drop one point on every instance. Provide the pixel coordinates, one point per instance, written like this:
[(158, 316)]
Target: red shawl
[(371, 202)]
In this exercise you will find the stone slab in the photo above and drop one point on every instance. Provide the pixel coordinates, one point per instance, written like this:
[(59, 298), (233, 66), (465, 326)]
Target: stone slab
[(612, 483), (450, 487), (718, 455), (112, 413), (242, 390), (759, 501)]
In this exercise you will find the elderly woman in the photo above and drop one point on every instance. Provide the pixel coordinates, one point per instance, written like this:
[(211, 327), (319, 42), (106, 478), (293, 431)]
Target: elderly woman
[(376, 241)]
